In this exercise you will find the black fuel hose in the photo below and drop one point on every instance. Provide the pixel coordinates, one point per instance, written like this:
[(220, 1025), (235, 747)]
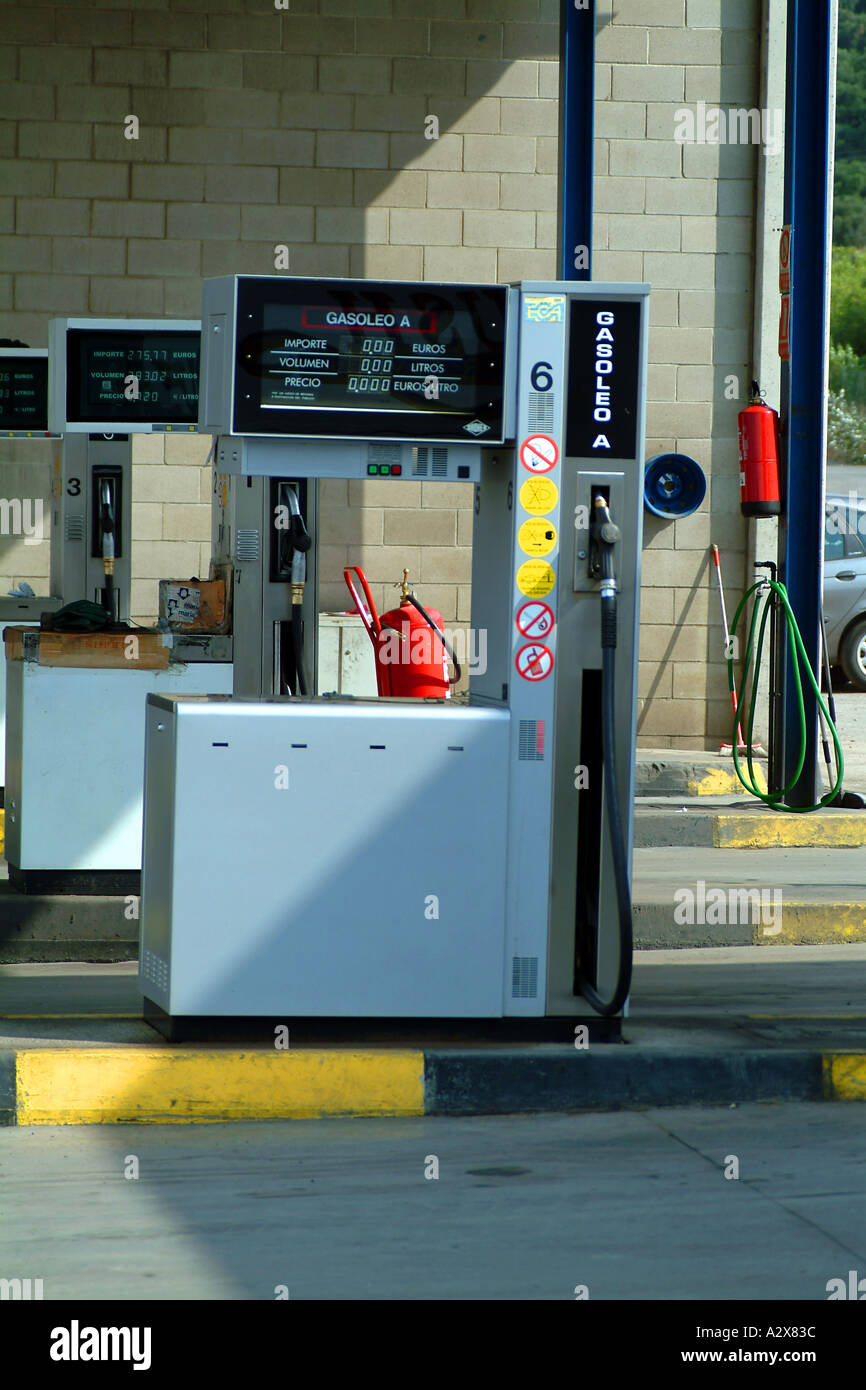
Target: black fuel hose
[(608, 1007), (298, 650)]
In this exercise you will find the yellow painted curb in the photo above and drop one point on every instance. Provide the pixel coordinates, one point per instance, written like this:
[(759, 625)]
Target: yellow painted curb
[(817, 830), (814, 924), (2, 830), (155, 1086), (844, 1076), (722, 781)]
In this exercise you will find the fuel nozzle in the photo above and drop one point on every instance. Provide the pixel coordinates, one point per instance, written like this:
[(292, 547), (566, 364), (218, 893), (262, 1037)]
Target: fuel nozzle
[(604, 533), (300, 541), (107, 530), (106, 525)]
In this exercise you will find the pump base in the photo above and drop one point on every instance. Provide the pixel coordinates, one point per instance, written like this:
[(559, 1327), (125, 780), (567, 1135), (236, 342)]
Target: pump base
[(119, 883), (405, 1031)]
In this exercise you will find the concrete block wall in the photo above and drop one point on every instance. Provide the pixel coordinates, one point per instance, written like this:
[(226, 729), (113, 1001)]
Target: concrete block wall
[(308, 127), (258, 126), (680, 216)]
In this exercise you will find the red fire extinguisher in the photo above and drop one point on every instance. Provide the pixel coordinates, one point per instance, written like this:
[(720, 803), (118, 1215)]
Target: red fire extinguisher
[(410, 648), (758, 432)]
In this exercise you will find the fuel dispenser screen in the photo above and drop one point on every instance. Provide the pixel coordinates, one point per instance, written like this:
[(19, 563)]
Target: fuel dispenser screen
[(133, 377), (345, 358), (23, 393)]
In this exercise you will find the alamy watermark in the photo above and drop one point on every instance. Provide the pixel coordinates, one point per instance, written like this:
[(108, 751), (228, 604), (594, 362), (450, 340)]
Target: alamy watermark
[(719, 907), (712, 125), (424, 647), (22, 516), (839, 518)]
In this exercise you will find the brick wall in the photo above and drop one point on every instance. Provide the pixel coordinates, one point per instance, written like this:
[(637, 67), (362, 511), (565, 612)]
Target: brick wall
[(307, 127)]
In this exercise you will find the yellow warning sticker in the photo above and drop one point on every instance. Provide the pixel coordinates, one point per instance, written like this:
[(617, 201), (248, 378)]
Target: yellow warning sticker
[(537, 536), (539, 495), (535, 578)]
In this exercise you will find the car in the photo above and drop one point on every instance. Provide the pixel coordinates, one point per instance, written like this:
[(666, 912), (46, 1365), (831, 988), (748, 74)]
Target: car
[(845, 584)]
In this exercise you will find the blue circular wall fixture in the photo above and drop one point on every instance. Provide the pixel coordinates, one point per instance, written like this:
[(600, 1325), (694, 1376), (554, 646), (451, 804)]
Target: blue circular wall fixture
[(674, 485)]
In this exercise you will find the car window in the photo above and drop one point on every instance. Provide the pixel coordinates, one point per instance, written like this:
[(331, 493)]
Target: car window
[(834, 543)]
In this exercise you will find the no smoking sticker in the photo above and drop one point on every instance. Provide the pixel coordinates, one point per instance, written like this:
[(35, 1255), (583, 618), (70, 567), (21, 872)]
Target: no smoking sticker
[(537, 536), (535, 578), (534, 619), (538, 495), (534, 662), (539, 453)]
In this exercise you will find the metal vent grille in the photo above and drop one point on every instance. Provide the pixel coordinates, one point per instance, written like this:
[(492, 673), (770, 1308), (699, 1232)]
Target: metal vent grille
[(247, 545), (531, 741), (384, 453), (524, 977), (74, 528), (154, 968), (430, 462), (541, 411)]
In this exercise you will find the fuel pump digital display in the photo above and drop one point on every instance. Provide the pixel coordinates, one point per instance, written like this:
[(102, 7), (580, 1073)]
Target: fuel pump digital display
[(129, 377), (391, 360), (23, 391)]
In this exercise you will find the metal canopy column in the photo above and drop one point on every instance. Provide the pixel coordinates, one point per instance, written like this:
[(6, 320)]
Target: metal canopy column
[(576, 125), (808, 159)]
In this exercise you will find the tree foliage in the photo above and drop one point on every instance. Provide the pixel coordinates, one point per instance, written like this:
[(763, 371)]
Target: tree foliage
[(849, 200)]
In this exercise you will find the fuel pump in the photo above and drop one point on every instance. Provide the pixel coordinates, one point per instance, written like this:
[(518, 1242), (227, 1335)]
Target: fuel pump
[(91, 521), (520, 792), (76, 693)]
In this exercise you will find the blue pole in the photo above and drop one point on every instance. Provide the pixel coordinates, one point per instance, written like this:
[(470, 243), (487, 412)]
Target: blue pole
[(808, 147), (576, 125)]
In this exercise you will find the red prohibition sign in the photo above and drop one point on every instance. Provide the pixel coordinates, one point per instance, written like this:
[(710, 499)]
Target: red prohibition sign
[(539, 453), (534, 662), (534, 619)]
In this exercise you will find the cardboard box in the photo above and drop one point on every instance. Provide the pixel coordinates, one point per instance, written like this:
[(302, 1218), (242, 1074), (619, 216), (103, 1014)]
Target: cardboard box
[(194, 605)]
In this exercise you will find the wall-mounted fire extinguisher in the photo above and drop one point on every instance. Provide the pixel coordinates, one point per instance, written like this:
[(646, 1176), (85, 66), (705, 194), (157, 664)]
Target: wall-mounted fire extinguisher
[(410, 647), (758, 432)]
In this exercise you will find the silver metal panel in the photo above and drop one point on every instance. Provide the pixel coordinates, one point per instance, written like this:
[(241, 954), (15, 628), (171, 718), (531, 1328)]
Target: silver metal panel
[(373, 884), (338, 458), (216, 372), (75, 760), (242, 532)]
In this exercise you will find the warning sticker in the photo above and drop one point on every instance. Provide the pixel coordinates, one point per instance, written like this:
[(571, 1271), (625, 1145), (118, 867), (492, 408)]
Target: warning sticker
[(537, 536), (539, 495), (535, 578), (534, 662), (534, 619), (539, 453)]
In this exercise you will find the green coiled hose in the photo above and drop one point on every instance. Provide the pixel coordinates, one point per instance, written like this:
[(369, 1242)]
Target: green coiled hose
[(798, 655)]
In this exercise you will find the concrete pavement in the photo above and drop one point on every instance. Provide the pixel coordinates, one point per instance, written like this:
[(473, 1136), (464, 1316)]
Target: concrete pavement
[(623, 1206)]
